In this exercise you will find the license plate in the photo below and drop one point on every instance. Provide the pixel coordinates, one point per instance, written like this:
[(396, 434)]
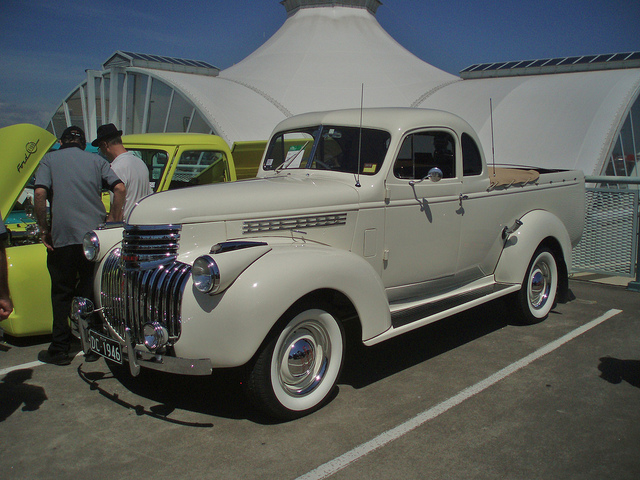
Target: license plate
[(105, 347)]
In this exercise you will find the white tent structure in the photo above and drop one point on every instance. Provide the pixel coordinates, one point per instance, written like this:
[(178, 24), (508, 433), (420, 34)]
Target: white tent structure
[(319, 59), (565, 119), (581, 112)]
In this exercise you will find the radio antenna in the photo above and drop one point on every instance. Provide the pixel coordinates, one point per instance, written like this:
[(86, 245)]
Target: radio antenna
[(360, 136), (493, 150)]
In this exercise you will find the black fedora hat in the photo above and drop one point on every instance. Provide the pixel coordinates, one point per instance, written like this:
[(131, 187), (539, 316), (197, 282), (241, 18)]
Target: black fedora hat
[(106, 132)]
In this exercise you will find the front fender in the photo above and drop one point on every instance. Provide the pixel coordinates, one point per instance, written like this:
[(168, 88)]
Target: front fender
[(537, 226), (109, 236), (229, 327)]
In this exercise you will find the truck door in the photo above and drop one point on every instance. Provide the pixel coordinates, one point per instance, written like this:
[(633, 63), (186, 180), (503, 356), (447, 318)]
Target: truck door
[(485, 215), (198, 166), (422, 217)]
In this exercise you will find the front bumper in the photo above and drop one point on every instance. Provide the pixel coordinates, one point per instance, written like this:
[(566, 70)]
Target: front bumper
[(136, 357)]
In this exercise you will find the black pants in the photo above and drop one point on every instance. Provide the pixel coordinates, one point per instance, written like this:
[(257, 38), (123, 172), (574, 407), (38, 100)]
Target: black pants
[(71, 275)]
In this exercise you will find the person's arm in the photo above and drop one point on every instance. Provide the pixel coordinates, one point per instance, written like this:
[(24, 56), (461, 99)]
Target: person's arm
[(117, 207), (40, 208), (6, 306)]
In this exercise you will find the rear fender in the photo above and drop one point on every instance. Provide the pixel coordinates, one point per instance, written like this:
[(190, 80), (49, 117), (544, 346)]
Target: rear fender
[(537, 227)]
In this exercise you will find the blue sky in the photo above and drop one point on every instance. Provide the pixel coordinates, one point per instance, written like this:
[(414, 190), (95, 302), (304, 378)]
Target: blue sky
[(46, 46)]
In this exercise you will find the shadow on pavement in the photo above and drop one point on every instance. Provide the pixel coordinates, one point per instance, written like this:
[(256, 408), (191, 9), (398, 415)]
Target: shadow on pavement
[(14, 392), (616, 371), (366, 365), (219, 395)]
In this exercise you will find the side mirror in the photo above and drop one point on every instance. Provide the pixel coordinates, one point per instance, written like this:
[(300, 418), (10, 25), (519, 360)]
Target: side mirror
[(435, 174)]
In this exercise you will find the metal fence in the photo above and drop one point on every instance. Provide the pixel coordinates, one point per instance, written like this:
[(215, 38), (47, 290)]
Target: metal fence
[(609, 243)]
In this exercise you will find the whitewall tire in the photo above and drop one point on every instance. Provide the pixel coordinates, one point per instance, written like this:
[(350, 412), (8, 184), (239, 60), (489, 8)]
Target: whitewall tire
[(297, 370), (537, 296)]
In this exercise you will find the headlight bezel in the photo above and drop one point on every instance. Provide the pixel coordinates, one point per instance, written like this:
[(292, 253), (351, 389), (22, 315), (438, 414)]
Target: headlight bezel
[(91, 246), (205, 275)]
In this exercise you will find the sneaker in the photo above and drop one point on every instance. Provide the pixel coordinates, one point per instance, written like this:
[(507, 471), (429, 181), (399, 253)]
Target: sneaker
[(55, 358), (91, 356)]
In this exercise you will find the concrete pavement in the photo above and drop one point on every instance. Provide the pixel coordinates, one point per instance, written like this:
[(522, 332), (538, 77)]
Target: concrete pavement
[(572, 412)]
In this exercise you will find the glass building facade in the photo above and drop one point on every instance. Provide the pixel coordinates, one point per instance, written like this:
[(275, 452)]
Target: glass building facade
[(133, 99), (624, 155)]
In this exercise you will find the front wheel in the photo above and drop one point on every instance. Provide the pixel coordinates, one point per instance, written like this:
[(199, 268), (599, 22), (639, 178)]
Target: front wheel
[(298, 368), (537, 296)]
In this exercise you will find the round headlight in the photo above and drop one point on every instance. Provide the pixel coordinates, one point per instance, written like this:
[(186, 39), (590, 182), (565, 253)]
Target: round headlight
[(205, 274), (91, 246)]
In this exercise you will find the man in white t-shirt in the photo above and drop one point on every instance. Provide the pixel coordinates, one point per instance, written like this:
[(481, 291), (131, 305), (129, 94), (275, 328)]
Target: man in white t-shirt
[(131, 169)]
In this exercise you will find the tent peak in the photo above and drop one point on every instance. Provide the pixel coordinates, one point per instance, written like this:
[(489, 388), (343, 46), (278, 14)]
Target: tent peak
[(292, 6)]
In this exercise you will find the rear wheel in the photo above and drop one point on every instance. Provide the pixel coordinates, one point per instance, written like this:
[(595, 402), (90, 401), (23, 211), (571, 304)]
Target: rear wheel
[(298, 368), (537, 296)]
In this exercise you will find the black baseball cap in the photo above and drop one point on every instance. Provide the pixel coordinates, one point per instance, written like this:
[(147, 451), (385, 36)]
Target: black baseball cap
[(73, 134)]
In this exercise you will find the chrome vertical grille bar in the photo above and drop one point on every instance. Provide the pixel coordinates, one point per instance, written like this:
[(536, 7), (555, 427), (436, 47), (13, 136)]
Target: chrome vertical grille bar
[(142, 282)]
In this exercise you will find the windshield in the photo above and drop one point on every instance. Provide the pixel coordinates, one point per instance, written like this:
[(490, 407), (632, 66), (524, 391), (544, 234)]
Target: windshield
[(326, 147), (195, 167)]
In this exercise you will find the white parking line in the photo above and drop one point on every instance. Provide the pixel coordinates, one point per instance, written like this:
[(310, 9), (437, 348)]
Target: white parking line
[(341, 462)]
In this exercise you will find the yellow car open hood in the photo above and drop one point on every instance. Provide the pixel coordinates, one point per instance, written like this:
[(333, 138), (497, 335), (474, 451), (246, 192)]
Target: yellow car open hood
[(22, 147)]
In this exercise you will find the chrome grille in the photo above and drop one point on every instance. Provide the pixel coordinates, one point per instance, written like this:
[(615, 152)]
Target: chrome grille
[(148, 246), (133, 297)]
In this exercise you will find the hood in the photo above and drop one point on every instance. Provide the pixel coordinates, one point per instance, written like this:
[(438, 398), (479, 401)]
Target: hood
[(22, 148), (275, 196)]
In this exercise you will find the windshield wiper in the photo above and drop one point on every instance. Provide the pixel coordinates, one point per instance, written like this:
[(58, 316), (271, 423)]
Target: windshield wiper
[(286, 164)]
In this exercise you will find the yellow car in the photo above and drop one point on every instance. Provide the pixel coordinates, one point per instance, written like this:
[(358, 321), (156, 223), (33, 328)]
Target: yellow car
[(175, 160)]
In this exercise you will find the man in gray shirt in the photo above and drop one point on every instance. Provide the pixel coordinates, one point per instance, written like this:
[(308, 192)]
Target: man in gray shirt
[(72, 180)]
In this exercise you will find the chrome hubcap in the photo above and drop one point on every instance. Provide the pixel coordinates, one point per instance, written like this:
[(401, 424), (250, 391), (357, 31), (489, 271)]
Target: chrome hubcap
[(540, 284), (303, 358)]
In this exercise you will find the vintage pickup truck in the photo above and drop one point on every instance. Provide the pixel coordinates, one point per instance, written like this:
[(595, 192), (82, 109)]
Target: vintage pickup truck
[(175, 160), (380, 220)]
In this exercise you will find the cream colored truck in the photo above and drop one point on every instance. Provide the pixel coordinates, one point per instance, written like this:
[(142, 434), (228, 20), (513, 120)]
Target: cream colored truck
[(383, 219)]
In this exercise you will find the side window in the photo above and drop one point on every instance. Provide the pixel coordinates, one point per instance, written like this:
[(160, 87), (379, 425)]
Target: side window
[(198, 167), (420, 152), (471, 160)]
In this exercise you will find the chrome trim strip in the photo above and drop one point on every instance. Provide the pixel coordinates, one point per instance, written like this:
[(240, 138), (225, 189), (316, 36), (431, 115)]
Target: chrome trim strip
[(293, 223)]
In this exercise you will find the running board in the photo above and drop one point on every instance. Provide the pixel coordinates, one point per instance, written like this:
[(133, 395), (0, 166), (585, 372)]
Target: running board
[(404, 320), (410, 315)]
